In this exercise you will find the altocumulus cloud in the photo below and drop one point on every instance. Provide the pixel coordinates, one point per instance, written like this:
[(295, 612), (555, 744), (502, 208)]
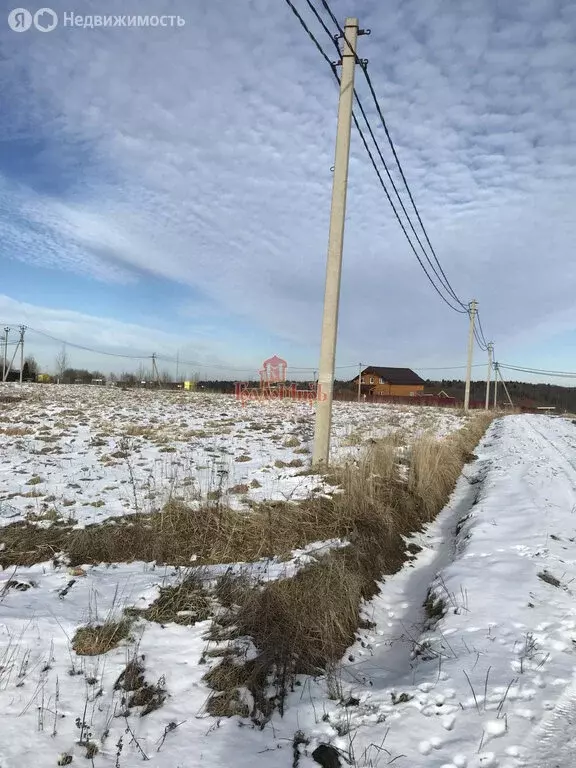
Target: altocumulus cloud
[(202, 154)]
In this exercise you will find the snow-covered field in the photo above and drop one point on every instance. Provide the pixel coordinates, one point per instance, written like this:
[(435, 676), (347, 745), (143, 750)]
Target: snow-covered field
[(483, 677), (88, 453)]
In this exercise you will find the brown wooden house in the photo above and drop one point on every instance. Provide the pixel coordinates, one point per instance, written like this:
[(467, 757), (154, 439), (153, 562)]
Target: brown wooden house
[(396, 382)]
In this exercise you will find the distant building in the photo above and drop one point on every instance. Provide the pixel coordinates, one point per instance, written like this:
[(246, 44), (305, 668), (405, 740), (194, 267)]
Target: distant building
[(395, 382)]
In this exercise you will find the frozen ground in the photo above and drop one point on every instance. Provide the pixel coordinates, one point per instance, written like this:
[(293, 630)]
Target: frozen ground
[(484, 679), (89, 453), (481, 678)]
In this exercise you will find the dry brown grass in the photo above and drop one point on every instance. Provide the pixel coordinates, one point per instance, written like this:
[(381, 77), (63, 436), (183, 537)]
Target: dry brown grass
[(93, 640), (141, 430), (214, 534), (374, 501), (184, 603), (149, 697), (15, 431), (304, 624)]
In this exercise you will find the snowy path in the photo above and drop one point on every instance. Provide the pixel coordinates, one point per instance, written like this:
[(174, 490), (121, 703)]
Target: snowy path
[(491, 684)]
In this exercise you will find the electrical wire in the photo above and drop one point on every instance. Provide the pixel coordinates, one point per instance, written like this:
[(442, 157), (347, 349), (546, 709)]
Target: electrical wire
[(380, 154), (482, 346), (367, 148), (444, 280), (483, 337), (161, 358), (86, 349), (448, 288), (371, 132), (179, 361), (310, 34), (537, 371), (381, 180), (449, 367)]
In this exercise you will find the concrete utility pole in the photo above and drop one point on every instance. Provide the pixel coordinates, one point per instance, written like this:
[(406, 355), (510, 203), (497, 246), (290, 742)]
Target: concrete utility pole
[(490, 349), (5, 355), (359, 381), (472, 312), (21, 342), (10, 364), (155, 373), (505, 389), (495, 386), (321, 449)]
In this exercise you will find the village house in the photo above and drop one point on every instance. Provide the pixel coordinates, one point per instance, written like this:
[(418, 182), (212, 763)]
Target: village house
[(395, 382)]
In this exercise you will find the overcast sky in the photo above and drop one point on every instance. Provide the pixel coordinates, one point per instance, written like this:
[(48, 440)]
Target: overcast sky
[(168, 189)]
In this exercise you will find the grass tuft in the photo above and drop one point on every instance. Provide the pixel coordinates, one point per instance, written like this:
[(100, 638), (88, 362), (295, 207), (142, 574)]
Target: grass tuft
[(185, 603), (95, 640)]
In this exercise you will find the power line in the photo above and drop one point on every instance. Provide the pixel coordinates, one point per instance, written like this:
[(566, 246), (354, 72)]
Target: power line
[(163, 358), (448, 367), (167, 359), (481, 330), (311, 35), (481, 339), (86, 349), (380, 154), (365, 143), (381, 180), (483, 347), (373, 137), (363, 65), (537, 371)]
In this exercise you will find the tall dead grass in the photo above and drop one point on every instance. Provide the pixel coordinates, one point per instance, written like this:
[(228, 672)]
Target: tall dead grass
[(305, 624), (374, 500)]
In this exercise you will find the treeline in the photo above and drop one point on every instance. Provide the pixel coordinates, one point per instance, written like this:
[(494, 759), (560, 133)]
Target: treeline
[(520, 391), (228, 387), (81, 376)]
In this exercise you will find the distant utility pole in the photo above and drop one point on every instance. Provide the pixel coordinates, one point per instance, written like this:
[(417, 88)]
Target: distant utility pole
[(10, 364), (177, 364), (505, 388), (155, 373), (472, 312), (359, 381), (495, 386), (321, 449), (490, 350), (22, 332), (5, 355)]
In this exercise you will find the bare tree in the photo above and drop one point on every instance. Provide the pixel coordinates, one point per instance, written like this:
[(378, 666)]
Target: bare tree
[(33, 368), (61, 362)]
